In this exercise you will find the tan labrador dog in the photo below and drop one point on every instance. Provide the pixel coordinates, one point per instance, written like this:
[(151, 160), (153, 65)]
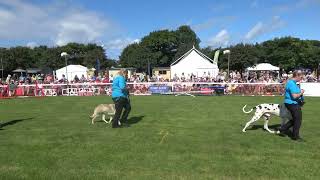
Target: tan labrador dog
[(104, 109)]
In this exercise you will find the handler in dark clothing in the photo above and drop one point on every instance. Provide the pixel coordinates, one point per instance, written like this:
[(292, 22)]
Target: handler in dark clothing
[(294, 101), (120, 97)]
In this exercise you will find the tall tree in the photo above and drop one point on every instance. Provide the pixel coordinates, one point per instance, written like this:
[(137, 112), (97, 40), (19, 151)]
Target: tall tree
[(187, 38)]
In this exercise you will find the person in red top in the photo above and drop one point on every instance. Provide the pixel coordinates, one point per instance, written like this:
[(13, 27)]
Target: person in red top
[(106, 79)]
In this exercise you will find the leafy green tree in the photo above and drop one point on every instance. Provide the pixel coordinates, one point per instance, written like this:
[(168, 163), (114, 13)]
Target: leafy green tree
[(187, 38)]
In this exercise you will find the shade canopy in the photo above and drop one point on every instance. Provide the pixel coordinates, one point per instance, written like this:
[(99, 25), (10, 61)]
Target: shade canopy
[(33, 70), (19, 71), (263, 67), (73, 70)]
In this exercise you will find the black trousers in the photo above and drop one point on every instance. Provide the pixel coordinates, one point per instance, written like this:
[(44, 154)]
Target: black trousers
[(120, 104), (296, 113)]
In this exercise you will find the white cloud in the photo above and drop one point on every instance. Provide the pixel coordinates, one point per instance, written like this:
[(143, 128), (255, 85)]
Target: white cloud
[(216, 21), (220, 39), (55, 24), (114, 47), (295, 6), (32, 44), (120, 44), (263, 28), (257, 30), (80, 27)]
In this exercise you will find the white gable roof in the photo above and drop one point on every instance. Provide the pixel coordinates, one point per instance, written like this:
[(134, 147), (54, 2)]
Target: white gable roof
[(193, 52), (194, 62)]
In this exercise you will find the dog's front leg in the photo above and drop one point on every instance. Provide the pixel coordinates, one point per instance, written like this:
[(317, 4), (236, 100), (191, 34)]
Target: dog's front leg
[(92, 120), (255, 118)]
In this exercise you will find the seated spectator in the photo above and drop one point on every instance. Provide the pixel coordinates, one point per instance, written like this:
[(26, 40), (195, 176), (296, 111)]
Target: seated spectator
[(63, 79)]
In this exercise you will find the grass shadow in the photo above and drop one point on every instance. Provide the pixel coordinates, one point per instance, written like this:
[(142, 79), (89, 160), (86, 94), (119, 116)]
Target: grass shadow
[(135, 120), (13, 122), (273, 127)]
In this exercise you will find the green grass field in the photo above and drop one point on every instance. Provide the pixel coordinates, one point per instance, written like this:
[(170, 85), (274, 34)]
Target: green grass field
[(169, 138)]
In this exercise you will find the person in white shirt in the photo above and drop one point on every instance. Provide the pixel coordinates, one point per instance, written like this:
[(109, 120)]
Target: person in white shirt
[(159, 77), (183, 77), (8, 79), (111, 78)]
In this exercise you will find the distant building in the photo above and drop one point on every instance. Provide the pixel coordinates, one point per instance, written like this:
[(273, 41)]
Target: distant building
[(164, 72), (194, 62), (114, 71)]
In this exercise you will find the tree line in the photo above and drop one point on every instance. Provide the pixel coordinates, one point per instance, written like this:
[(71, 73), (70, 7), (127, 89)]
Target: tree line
[(49, 58), (161, 48)]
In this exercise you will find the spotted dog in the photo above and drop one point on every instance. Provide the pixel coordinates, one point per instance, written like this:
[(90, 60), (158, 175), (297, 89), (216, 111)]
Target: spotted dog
[(265, 111)]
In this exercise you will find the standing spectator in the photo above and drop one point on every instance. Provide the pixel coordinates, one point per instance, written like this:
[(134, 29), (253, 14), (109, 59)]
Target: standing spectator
[(33, 78), (83, 79), (183, 77), (159, 77), (63, 79), (21, 78), (175, 78), (8, 80), (105, 78), (76, 79), (12, 88), (111, 78)]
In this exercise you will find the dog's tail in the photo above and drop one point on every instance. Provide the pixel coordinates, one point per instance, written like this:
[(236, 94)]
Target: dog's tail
[(247, 112)]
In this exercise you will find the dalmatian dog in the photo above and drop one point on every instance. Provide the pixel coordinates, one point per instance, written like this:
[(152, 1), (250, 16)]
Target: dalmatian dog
[(265, 111)]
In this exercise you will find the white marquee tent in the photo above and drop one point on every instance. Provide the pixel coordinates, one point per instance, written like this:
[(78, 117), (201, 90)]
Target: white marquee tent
[(263, 67), (194, 62), (73, 70)]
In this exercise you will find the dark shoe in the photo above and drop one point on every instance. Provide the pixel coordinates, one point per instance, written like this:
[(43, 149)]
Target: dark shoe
[(282, 133), (299, 139)]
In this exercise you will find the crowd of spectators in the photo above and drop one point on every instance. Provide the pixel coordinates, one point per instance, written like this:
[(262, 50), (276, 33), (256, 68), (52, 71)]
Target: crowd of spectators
[(234, 77), (186, 82)]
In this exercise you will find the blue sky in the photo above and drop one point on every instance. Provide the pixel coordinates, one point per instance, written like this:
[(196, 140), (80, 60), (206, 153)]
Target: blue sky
[(117, 23)]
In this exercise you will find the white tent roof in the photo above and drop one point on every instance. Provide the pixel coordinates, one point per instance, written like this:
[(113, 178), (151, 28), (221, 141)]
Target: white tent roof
[(263, 67), (72, 71)]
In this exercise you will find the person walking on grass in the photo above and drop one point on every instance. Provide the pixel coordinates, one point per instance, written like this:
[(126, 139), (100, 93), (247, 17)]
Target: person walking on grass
[(293, 101), (120, 97)]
